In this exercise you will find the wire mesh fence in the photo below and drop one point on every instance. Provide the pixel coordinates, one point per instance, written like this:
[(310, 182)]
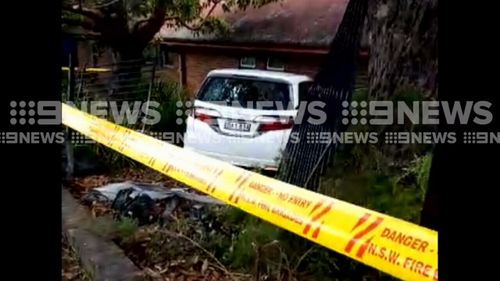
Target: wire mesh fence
[(123, 81), (132, 92)]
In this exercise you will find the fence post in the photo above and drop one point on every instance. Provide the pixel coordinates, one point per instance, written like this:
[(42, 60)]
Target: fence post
[(71, 78), (151, 83), (68, 147)]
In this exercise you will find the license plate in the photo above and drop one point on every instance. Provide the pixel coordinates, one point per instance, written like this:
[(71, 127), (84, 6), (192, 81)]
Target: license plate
[(237, 126)]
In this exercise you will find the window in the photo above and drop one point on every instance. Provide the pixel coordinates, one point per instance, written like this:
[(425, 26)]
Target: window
[(149, 54), (275, 64), (246, 92), (247, 62), (167, 58), (161, 55)]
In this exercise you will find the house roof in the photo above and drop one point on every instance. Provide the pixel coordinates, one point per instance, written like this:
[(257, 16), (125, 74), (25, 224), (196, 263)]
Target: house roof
[(311, 23)]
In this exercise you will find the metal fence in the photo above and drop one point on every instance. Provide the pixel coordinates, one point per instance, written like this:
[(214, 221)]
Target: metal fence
[(126, 80)]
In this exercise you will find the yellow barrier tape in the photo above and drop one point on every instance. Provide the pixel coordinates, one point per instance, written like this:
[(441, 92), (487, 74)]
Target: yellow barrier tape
[(89, 69), (399, 248)]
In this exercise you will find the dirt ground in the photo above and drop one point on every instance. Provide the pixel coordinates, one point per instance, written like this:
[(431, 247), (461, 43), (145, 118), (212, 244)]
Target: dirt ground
[(192, 264)]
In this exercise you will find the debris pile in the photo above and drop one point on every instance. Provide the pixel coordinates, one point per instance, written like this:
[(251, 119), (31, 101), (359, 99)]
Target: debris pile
[(147, 203), (182, 234)]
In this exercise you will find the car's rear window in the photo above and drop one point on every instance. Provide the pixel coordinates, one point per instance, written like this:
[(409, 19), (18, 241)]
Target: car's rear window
[(246, 93)]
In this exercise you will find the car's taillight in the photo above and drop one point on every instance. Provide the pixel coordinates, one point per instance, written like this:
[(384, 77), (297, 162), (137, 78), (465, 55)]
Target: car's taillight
[(205, 115), (275, 125)]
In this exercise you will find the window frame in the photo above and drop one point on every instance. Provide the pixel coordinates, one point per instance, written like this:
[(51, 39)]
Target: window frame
[(164, 59), (247, 66), (275, 68), (150, 60)]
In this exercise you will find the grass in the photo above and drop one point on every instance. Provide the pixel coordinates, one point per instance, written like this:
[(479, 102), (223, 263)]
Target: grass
[(121, 230), (372, 176), (367, 175)]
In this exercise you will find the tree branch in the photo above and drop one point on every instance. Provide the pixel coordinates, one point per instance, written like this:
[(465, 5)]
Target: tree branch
[(146, 29), (214, 5), (192, 28), (204, 19)]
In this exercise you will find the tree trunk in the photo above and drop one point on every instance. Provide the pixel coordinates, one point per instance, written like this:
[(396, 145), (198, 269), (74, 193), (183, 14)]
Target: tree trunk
[(402, 35), (429, 213)]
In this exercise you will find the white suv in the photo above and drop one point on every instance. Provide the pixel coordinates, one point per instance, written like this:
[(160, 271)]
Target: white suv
[(245, 117)]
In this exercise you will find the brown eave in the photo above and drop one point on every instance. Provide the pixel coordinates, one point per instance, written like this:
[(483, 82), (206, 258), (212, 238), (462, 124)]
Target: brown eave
[(268, 48), (182, 45)]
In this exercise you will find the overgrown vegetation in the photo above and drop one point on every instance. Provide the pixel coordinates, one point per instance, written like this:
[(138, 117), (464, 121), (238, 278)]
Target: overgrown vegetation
[(172, 98), (121, 230), (389, 178), (380, 177), (265, 250)]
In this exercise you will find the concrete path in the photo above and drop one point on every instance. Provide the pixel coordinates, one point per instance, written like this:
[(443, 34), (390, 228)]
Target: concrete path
[(102, 259)]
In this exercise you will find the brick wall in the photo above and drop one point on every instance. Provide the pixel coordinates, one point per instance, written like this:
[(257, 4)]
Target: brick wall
[(198, 65), (303, 65), (198, 62)]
